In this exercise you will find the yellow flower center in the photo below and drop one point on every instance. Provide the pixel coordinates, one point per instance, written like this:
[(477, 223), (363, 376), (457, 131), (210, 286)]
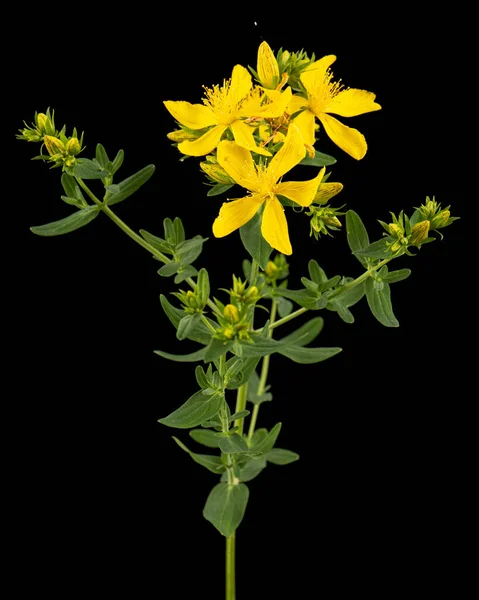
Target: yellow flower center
[(219, 100), (324, 93)]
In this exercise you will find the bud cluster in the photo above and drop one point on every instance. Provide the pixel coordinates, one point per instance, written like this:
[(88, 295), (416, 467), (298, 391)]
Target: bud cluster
[(276, 269), (233, 324)]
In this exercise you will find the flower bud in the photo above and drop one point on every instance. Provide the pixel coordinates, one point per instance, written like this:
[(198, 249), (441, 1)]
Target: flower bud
[(271, 269), (53, 145), (267, 67), (419, 233), (252, 293), (73, 146), (440, 219), (231, 313), (395, 230), (42, 121), (191, 299), (180, 135), (216, 173)]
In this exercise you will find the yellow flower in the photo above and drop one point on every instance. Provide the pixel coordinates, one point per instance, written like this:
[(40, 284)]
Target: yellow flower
[(326, 96), (263, 183), (224, 108)]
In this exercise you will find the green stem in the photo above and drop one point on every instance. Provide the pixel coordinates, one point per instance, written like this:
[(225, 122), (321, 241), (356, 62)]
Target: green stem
[(240, 406), (264, 375), (287, 318), (230, 568), (134, 236)]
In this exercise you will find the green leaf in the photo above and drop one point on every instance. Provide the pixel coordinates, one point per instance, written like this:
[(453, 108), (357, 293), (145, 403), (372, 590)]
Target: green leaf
[(252, 469), (310, 285), (74, 202), (261, 346), (395, 276), (200, 333), (242, 414), (234, 368), (212, 463), (130, 185), (157, 242), (70, 223), (267, 442), (87, 169), (378, 249), (184, 273), (307, 356), (329, 283), (202, 289), (72, 190), (247, 369), (193, 357), (201, 377), (206, 437), (316, 273), (187, 325), (304, 334), (284, 306), (216, 348), (118, 161), (232, 444), (196, 410), (225, 507), (169, 229), (102, 156), (252, 392), (189, 251), (278, 456), (352, 296), (380, 304), (219, 188), (254, 241), (304, 298), (320, 160), (343, 311), (169, 269), (179, 230), (357, 235)]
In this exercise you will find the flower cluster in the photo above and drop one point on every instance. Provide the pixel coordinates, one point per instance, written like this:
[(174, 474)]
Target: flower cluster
[(253, 134)]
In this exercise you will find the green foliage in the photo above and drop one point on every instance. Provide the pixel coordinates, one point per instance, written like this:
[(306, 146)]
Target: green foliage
[(232, 443), (320, 160), (198, 409), (205, 437), (357, 235), (68, 224), (252, 393), (254, 242), (129, 186), (212, 463), (279, 456), (219, 188), (379, 301), (89, 169), (193, 357), (225, 507), (267, 442)]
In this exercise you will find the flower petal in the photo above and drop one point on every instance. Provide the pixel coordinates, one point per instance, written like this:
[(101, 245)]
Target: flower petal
[(240, 84), (274, 227), (305, 122), (194, 116), (277, 106), (205, 144), (348, 139), (243, 134), (290, 154), (327, 190), (295, 104), (314, 76), (236, 213), (239, 165), (353, 102), (301, 192)]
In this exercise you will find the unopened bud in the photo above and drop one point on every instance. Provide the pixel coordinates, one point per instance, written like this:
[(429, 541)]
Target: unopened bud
[(73, 146), (42, 121), (395, 230), (440, 219), (180, 135), (267, 67), (191, 299), (252, 292), (216, 172), (231, 313), (271, 269), (53, 145), (419, 233)]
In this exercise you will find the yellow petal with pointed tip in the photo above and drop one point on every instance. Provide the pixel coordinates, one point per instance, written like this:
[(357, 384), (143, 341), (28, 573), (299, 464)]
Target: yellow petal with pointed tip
[(327, 190), (314, 76), (295, 104), (194, 116), (348, 139), (205, 144), (277, 107), (240, 84), (243, 134), (274, 227), (236, 213), (301, 192), (305, 122), (267, 66), (352, 102), (290, 154), (239, 165)]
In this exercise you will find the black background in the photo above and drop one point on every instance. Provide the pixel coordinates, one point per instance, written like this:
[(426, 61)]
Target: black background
[(105, 501)]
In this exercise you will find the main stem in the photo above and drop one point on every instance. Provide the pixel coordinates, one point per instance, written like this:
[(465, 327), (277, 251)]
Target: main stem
[(230, 568)]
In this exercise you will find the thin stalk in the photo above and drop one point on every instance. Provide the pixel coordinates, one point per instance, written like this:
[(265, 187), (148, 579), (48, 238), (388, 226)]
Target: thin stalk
[(230, 568)]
